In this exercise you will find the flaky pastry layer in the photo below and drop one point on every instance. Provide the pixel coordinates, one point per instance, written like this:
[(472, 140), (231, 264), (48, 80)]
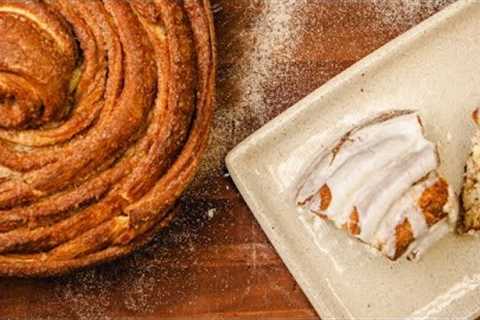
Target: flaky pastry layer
[(104, 114)]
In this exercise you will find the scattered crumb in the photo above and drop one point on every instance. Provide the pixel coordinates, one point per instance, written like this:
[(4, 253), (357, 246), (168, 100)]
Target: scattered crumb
[(211, 213)]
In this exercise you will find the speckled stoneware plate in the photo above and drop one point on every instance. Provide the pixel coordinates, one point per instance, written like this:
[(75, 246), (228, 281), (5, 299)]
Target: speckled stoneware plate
[(434, 68)]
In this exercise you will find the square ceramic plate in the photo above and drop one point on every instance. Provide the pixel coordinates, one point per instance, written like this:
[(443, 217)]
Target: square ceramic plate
[(435, 69)]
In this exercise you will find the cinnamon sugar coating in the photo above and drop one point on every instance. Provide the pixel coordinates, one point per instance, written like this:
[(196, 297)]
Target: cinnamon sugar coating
[(105, 110)]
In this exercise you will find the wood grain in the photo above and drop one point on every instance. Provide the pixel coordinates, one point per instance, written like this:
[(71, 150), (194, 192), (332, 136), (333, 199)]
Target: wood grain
[(218, 264)]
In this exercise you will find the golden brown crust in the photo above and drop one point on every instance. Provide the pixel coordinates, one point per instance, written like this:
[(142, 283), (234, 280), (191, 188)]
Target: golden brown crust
[(93, 174), (433, 201), (353, 225), (36, 70), (325, 197), (404, 237)]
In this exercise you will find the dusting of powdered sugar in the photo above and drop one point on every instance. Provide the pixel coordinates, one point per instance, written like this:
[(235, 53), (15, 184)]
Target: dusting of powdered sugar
[(275, 31), (399, 12), (260, 49), (257, 75)]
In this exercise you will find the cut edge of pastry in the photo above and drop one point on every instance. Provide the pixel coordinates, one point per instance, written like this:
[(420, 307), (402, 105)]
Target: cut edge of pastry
[(469, 222)]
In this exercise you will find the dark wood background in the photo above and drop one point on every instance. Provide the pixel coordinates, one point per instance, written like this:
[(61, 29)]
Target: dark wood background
[(214, 262)]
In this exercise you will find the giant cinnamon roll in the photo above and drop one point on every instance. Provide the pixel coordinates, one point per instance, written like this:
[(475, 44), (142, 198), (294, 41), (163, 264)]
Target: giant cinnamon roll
[(104, 114)]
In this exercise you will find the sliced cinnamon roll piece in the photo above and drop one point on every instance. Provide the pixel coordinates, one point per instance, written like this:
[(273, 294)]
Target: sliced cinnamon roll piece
[(380, 183)]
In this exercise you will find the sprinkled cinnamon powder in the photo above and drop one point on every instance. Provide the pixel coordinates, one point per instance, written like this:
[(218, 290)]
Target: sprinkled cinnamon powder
[(395, 12), (257, 53)]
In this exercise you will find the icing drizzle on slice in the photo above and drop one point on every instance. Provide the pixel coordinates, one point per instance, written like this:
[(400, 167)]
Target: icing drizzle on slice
[(380, 183)]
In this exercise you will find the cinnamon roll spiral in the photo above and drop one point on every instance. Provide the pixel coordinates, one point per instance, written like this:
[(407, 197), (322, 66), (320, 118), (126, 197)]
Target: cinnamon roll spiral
[(104, 114)]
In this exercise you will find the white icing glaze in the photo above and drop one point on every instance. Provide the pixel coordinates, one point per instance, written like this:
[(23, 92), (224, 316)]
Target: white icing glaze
[(418, 248), (348, 179), (375, 169), (404, 208), (360, 141), (375, 201)]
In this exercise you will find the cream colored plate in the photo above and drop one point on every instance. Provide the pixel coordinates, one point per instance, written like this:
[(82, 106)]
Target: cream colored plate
[(434, 68)]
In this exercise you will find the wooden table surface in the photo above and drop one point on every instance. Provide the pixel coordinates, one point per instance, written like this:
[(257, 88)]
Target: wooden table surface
[(214, 262)]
